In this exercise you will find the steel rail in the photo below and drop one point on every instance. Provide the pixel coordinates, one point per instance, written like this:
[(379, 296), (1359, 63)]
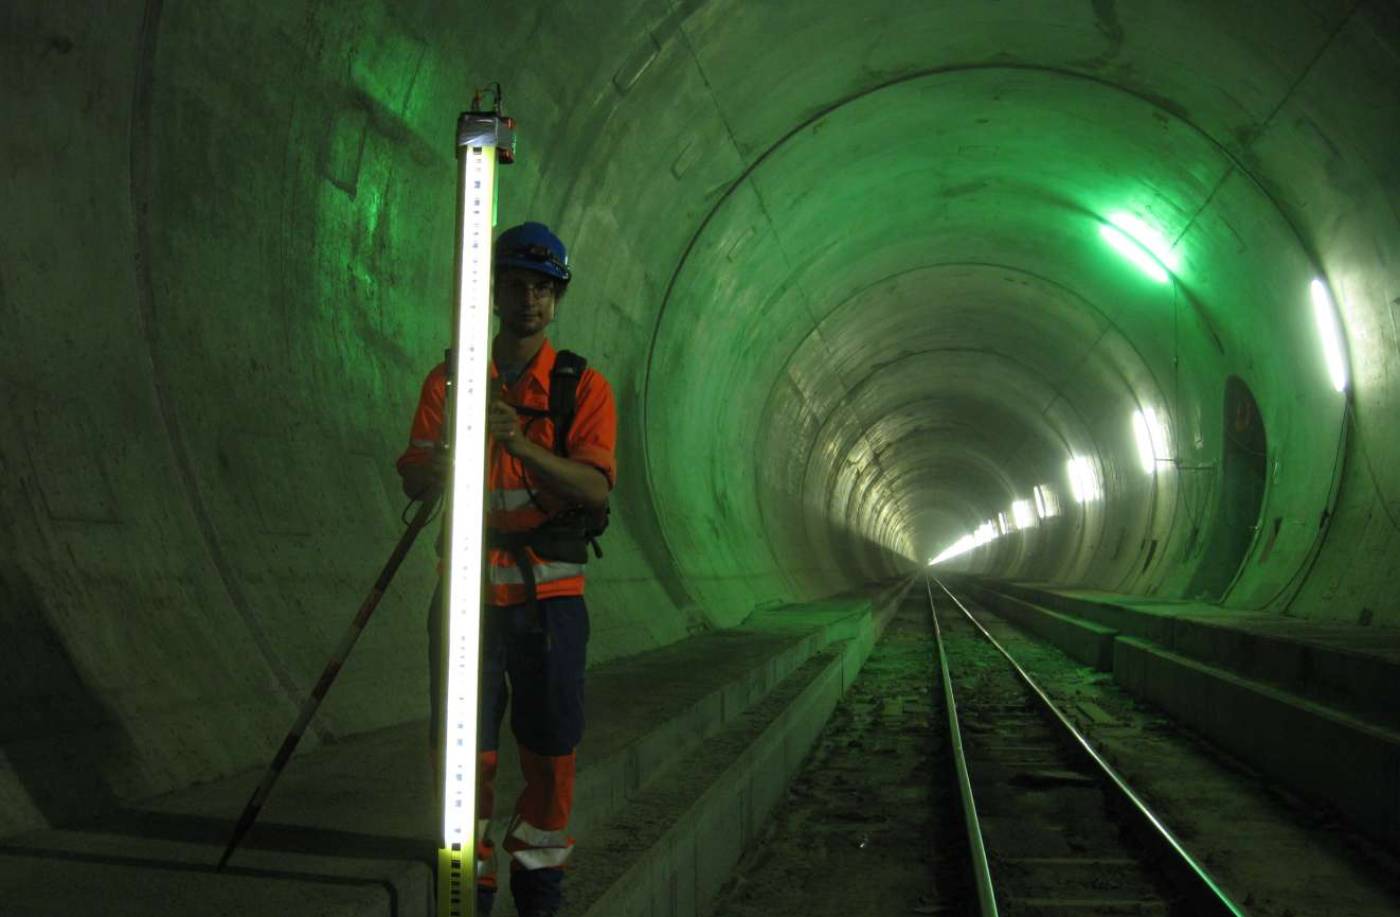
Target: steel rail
[(982, 872), (1207, 896)]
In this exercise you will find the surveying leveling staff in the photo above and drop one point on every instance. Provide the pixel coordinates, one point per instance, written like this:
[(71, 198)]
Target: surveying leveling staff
[(536, 643)]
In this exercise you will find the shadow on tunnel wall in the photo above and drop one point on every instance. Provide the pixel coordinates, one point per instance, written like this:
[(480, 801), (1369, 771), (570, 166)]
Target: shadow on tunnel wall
[(633, 493), (58, 738), (59, 743), (859, 560)]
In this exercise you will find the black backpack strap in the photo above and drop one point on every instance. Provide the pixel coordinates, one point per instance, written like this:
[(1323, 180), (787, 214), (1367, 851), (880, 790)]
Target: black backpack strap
[(563, 395)]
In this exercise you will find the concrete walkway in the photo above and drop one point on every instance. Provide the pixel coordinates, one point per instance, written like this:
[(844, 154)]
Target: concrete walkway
[(350, 829)]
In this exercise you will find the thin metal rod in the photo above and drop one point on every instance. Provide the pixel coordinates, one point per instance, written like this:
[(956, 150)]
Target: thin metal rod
[(981, 870), (1208, 897), (328, 674)]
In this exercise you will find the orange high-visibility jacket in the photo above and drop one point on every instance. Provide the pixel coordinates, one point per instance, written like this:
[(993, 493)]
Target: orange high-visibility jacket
[(515, 499)]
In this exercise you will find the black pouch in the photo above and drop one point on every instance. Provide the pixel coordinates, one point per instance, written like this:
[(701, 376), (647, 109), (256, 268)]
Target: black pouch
[(562, 541)]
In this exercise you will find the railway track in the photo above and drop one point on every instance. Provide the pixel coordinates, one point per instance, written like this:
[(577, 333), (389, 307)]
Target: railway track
[(1051, 827)]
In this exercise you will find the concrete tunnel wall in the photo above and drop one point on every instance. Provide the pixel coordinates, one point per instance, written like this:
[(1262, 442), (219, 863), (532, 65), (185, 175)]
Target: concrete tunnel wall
[(840, 262)]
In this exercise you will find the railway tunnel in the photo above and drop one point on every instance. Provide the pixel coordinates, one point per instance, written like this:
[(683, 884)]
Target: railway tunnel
[(1092, 298)]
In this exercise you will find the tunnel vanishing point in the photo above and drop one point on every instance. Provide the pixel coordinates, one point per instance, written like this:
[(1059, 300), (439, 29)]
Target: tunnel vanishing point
[(1088, 294)]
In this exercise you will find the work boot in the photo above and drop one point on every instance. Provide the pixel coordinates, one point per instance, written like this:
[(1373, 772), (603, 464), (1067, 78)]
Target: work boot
[(537, 892)]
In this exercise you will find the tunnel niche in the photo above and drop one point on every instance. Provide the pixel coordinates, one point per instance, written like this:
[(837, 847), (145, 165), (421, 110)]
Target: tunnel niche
[(1243, 482)]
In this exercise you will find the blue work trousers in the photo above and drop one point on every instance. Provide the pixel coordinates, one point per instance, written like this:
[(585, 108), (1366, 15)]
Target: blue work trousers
[(536, 667)]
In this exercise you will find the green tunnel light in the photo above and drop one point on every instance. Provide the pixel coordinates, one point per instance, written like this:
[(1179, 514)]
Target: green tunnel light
[(1047, 505), (1329, 331), (1142, 245)]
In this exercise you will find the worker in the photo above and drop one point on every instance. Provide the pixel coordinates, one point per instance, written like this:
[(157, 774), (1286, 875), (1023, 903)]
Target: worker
[(544, 500)]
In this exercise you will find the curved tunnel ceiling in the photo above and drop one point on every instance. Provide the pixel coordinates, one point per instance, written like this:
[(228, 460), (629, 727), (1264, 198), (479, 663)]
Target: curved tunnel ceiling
[(845, 267)]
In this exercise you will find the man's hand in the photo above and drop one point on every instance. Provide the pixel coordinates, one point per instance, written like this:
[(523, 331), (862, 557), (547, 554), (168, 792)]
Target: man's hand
[(574, 482), (503, 423), (425, 482)]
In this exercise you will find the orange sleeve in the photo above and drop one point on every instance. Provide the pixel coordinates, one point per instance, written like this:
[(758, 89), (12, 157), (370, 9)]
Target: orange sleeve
[(426, 431), (593, 436)]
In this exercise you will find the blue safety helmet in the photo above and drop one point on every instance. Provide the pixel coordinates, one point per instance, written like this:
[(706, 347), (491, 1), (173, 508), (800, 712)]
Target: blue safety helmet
[(533, 247)]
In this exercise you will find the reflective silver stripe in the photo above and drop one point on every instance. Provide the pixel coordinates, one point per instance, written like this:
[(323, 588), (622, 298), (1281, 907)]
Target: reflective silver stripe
[(544, 573), (546, 848), (507, 500), (422, 443), (544, 858), (522, 830)]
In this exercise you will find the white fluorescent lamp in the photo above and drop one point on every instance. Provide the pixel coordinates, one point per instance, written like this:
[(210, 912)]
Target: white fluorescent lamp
[(1329, 331), (957, 549), (1144, 246), (1083, 479), (1045, 503), (1151, 435), (1146, 455), (1022, 513), (1076, 480), (1003, 527), (481, 138)]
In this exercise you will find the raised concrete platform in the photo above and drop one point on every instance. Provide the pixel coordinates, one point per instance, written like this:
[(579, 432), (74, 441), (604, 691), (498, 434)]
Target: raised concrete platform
[(350, 829), (1312, 705), (1348, 666), (1316, 750), (668, 852), (1090, 643)]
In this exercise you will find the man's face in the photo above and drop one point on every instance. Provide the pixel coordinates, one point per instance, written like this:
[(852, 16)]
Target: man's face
[(525, 300)]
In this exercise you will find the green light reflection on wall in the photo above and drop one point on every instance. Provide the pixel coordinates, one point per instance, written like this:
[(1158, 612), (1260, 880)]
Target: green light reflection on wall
[(1142, 245)]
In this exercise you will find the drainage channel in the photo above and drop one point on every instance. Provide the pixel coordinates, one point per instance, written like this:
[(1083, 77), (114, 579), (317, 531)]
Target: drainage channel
[(1051, 827)]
